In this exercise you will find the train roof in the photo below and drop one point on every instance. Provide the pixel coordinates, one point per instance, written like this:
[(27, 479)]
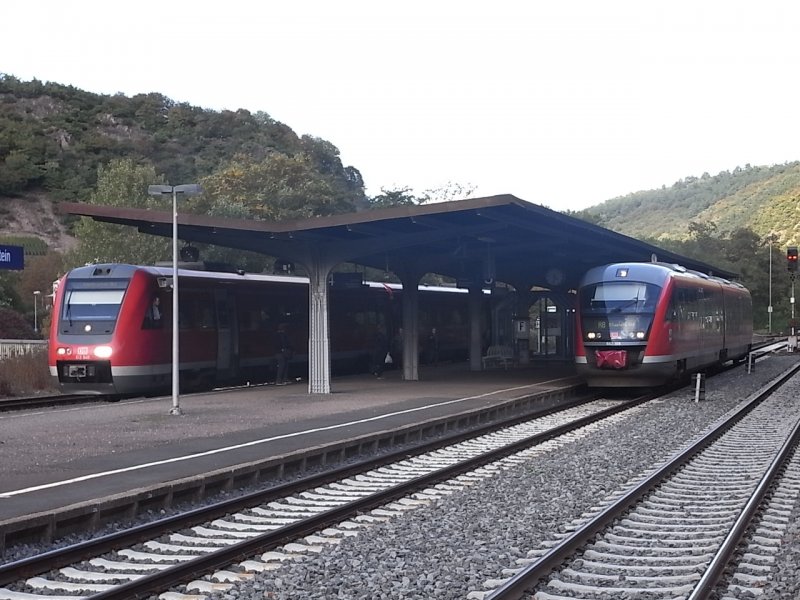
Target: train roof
[(195, 271), (652, 272)]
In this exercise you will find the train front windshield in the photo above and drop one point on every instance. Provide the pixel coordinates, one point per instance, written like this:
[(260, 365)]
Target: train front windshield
[(617, 311), (92, 305)]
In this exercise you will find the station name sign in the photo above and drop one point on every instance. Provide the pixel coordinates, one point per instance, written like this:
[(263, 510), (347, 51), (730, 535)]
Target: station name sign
[(12, 257)]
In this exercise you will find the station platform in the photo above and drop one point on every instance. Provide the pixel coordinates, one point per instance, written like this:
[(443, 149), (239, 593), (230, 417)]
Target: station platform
[(65, 460)]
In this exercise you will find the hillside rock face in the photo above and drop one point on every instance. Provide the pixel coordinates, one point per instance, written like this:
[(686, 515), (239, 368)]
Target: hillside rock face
[(34, 215)]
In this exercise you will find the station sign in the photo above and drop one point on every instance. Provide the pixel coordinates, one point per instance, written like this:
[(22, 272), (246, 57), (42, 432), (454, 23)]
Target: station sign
[(12, 257)]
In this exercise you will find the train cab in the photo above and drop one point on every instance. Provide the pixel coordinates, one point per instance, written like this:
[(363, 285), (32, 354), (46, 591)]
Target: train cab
[(97, 324), (645, 324)]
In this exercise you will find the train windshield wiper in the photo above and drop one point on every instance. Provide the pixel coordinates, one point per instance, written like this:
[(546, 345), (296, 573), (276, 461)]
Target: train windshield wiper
[(625, 305), (68, 314)]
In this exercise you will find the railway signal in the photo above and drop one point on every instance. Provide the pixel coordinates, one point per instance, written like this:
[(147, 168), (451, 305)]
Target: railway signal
[(791, 258)]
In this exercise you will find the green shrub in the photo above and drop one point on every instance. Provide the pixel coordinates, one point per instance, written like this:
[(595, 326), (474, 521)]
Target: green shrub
[(26, 375), (13, 326)]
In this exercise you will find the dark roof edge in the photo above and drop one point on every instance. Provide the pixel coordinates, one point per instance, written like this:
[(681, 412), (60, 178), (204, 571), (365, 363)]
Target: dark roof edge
[(382, 214)]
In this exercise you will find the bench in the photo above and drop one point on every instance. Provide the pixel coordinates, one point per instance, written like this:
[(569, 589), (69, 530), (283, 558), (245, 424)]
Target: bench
[(498, 355)]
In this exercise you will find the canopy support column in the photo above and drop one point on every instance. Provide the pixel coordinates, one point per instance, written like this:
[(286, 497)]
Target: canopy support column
[(410, 280), (475, 332), (319, 347)]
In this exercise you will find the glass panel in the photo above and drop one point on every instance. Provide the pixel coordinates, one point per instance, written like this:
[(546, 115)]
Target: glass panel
[(620, 292), (618, 311), (628, 297), (92, 305)]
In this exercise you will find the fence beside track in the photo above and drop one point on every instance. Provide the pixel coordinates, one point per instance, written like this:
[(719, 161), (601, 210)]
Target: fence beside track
[(11, 348)]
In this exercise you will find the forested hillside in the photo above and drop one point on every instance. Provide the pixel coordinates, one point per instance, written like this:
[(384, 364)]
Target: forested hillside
[(54, 137), (762, 199), (60, 143)]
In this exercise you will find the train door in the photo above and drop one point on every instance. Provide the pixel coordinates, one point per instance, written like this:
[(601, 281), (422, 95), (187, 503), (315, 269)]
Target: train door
[(552, 327), (502, 317), (227, 340), (544, 316)]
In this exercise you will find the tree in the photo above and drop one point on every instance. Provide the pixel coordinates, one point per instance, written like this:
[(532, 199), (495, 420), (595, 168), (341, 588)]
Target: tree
[(9, 298), (121, 183), (13, 325), (38, 275), (17, 171), (744, 252), (448, 192), (396, 197), (325, 158), (405, 197), (280, 187)]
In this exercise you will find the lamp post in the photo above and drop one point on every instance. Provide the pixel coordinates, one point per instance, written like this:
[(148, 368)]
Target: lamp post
[(188, 189), (35, 311), (769, 308)]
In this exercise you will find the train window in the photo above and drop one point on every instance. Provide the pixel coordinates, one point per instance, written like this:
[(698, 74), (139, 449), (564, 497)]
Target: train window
[(619, 292), (618, 311), (206, 317), (628, 297), (153, 316), (254, 313), (92, 305), (196, 310), (250, 320)]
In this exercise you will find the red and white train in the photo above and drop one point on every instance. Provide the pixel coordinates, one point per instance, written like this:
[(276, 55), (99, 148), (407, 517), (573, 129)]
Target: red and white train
[(111, 331), (645, 324)]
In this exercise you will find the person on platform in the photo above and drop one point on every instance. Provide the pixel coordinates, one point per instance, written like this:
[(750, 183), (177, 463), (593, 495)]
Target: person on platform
[(432, 347), (283, 356), (380, 348), (397, 348)]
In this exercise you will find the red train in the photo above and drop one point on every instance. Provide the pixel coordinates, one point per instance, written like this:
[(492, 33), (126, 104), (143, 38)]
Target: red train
[(644, 324), (112, 327)]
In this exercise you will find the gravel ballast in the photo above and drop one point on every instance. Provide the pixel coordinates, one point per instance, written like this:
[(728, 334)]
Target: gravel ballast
[(450, 548)]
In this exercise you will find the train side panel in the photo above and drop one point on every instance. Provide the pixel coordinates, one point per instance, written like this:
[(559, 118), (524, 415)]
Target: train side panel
[(141, 345)]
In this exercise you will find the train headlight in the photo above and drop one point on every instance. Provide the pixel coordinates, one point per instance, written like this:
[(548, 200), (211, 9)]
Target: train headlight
[(640, 335), (102, 351), (63, 351), (591, 335)]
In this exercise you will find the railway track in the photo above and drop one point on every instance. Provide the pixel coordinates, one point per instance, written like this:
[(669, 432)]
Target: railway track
[(31, 402), (51, 400), (230, 541), (674, 533), (760, 349), (152, 534)]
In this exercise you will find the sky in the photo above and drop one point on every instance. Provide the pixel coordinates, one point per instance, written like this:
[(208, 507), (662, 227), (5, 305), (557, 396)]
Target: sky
[(562, 103)]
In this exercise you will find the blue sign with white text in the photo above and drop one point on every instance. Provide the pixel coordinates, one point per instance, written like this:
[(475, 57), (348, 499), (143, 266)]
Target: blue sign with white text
[(12, 257)]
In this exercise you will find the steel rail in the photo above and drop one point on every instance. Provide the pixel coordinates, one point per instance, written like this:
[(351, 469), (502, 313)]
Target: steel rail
[(184, 572), (76, 552), (716, 568), (530, 575), (29, 402)]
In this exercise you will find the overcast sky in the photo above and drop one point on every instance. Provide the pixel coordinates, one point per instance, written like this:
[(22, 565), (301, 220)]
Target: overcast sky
[(564, 104)]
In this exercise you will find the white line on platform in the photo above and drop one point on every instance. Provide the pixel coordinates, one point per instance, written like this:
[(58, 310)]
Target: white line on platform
[(176, 459)]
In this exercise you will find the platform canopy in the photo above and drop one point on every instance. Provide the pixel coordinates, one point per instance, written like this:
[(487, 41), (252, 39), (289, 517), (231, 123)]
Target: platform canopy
[(478, 242), (499, 237)]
